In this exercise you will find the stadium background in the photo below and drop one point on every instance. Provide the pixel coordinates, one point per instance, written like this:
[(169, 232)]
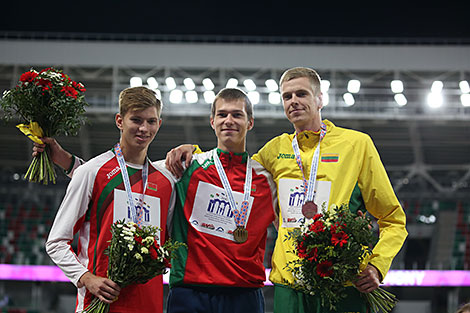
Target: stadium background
[(426, 150)]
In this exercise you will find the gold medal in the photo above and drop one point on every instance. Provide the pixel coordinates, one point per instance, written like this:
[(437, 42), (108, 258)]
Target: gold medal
[(240, 234), (309, 209)]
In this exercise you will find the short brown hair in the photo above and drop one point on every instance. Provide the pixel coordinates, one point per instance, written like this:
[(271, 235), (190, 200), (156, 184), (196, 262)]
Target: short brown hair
[(233, 94), (297, 72), (138, 98), (464, 308)]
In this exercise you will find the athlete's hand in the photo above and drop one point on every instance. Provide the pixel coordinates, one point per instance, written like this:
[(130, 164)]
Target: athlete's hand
[(58, 155), (103, 288), (368, 280), (178, 159)]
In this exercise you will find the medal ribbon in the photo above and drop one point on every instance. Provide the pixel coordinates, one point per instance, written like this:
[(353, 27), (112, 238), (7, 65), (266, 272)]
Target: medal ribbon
[(240, 215), (136, 213), (310, 185)]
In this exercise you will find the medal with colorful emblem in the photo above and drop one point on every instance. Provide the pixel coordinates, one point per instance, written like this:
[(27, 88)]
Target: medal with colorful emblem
[(309, 207), (240, 234)]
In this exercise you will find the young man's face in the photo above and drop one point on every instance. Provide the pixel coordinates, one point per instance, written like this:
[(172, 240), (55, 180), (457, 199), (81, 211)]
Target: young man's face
[(138, 127), (230, 123), (301, 105)]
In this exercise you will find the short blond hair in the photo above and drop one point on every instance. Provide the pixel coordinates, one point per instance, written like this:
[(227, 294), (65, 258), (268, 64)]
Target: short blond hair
[(297, 72), (138, 98)]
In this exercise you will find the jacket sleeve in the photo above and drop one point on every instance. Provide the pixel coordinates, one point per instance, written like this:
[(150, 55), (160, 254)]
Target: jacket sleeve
[(381, 202), (69, 219)]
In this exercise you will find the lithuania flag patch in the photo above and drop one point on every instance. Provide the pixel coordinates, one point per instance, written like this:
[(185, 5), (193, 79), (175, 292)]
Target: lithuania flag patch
[(330, 157)]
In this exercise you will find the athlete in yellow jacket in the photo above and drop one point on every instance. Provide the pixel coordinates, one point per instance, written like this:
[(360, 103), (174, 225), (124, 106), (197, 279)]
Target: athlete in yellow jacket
[(349, 171)]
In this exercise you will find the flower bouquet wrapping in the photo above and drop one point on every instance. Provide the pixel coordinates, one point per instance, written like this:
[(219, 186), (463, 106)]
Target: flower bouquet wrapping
[(333, 248), (50, 104), (135, 257)]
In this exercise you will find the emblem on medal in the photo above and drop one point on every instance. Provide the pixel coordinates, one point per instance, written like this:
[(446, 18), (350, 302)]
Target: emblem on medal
[(240, 234), (309, 209)]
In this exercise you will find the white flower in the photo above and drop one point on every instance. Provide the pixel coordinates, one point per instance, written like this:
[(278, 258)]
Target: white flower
[(144, 250), (119, 225), (129, 238), (148, 240), (138, 257), (130, 246)]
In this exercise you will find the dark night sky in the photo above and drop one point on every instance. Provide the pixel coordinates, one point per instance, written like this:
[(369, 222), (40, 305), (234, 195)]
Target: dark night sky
[(249, 18)]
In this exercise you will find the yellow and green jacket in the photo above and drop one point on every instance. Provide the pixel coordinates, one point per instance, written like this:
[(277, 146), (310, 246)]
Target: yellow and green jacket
[(350, 172)]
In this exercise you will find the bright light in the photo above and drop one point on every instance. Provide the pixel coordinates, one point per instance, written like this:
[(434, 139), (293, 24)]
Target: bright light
[(348, 99), (437, 86), (465, 99), (254, 97), (326, 98), (354, 86), (400, 99), (272, 85), (152, 82), (170, 83), (176, 96), (435, 99), (397, 86), (208, 84), (324, 85), (249, 84), (189, 83), (232, 83), (209, 96), (274, 97), (136, 81), (191, 96), (464, 87)]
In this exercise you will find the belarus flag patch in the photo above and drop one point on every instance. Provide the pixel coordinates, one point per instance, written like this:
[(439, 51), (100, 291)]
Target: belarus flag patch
[(330, 157)]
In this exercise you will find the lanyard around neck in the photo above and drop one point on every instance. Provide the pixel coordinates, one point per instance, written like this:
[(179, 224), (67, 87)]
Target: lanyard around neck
[(240, 215), (136, 212), (310, 184)]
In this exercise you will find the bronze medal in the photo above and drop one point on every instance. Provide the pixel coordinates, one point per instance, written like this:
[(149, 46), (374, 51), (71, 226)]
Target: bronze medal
[(309, 209), (240, 234)]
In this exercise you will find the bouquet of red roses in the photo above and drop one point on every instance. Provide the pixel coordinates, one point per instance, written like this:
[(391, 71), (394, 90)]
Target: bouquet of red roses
[(50, 104), (135, 257), (331, 249)]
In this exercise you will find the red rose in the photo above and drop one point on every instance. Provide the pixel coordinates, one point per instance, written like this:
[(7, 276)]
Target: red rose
[(317, 227), (28, 77), (78, 86), (138, 239), (46, 84), (317, 216), (153, 253), (70, 92), (339, 238), (324, 269), (301, 250)]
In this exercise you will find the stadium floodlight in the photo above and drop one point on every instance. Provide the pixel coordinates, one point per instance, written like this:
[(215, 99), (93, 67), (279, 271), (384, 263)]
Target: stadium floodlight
[(170, 83), (465, 99), (464, 87), (209, 96), (326, 98), (189, 83), (348, 99), (354, 86), (176, 96), (191, 96), (208, 84), (435, 99), (437, 86), (274, 97), (135, 81), (249, 84), (232, 83), (397, 86), (324, 86), (400, 99), (152, 82), (254, 97), (271, 85)]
